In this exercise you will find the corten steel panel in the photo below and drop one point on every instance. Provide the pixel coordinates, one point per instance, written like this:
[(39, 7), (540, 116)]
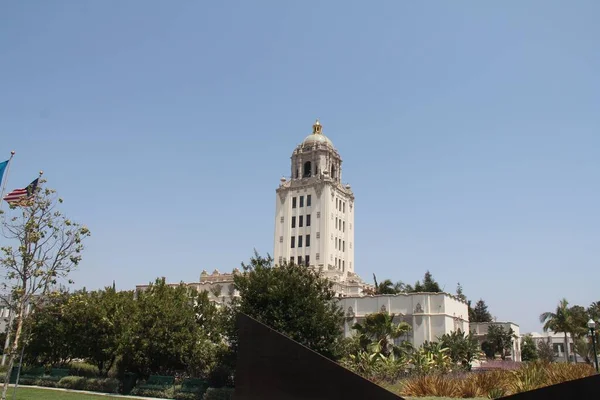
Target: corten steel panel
[(270, 366), (585, 388)]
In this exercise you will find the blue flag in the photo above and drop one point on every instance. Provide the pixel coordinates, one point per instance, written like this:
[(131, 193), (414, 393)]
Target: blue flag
[(2, 169)]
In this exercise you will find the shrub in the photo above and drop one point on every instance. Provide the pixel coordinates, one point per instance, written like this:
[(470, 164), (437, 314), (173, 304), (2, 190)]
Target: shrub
[(493, 384), (83, 369), (189, 396), (164, 394), (72, 382), (560, 372), (218, 394), (108, 385), (432, 385)]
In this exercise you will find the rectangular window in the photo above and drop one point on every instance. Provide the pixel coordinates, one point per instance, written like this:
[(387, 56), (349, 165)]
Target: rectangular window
[(307, 244), (318, 235), (344, 226), (336, 222), (308, 200), (344, 245), (335, 243), (336, 203), (344, 207), (336, 262), (300, 221), (293, 221), (343, 265), (291, 260), (280, 260), (307, 219), (299, 260), (281, 220), (301, 201), (300, 241), (293, 202), (340, 244), (293, 242), (318, 214), (307, 260), (318, 256), (280, 239)]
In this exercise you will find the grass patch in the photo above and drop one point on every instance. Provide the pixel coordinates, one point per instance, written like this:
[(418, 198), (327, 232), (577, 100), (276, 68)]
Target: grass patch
[(24, 393)]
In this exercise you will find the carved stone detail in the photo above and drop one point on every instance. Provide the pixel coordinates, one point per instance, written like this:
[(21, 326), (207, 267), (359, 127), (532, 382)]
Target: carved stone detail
[(319, 190), (418, 308)]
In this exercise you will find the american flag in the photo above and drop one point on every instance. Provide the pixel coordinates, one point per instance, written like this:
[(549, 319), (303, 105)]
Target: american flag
[(18, 195)]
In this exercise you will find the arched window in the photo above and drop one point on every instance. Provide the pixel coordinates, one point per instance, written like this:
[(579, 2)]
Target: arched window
[(332, 171), (307, 170)]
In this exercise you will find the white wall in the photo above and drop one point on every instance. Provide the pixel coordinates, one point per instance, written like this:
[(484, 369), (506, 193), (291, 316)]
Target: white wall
[(427, 313)]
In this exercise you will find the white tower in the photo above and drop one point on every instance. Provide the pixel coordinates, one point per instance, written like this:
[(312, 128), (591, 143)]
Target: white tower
[(314, 217)]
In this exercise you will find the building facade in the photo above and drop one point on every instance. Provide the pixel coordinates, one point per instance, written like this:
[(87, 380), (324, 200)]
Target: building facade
[(480, 329), (314, 211), (314, 226), (430, 315)]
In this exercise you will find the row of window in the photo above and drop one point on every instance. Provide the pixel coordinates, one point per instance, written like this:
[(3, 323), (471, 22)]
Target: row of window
[(340, 205), (340, 244), (299, 242), (300, 221), (301, 201), (299, 259), (308, 219), (340, 225)]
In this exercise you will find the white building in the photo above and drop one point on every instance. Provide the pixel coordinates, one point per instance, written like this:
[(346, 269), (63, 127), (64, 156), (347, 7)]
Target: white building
[(480, 329), (557, 340), (430, 315), (314, 213), (314, 226)]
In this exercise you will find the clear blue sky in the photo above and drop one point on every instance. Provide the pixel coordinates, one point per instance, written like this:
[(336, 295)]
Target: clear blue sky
[(469, 132)]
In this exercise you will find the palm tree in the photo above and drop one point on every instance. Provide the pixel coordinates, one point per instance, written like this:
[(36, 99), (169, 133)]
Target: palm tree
[(378, 331), (559, 322), (388, 287)]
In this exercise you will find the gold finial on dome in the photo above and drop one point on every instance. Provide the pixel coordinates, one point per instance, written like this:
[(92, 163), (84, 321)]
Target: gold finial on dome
[(317, 127)]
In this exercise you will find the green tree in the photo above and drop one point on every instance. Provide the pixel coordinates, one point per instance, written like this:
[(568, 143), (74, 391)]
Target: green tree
[(378, 331), (294, 300), (529, 351), (559, 321), (480, 313), (163, 335), (48, 246), (463, 349), (499, 339), (578, 321), (594, 311), (48, 341), (429, 285), (545, 350), (459, 292), (100, 320), (388, 287)]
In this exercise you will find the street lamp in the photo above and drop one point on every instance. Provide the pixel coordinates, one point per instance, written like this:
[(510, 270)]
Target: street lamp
[(591, 324)]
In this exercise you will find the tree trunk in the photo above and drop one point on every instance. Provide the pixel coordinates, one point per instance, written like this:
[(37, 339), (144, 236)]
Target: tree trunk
[(13, 350), (574, 349), (566, 348)]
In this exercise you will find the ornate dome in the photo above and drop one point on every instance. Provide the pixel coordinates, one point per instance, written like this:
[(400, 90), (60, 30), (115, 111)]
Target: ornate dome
[(316, 137)]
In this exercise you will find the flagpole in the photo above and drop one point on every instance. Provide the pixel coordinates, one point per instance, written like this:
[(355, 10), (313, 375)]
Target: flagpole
[(5, 177)]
